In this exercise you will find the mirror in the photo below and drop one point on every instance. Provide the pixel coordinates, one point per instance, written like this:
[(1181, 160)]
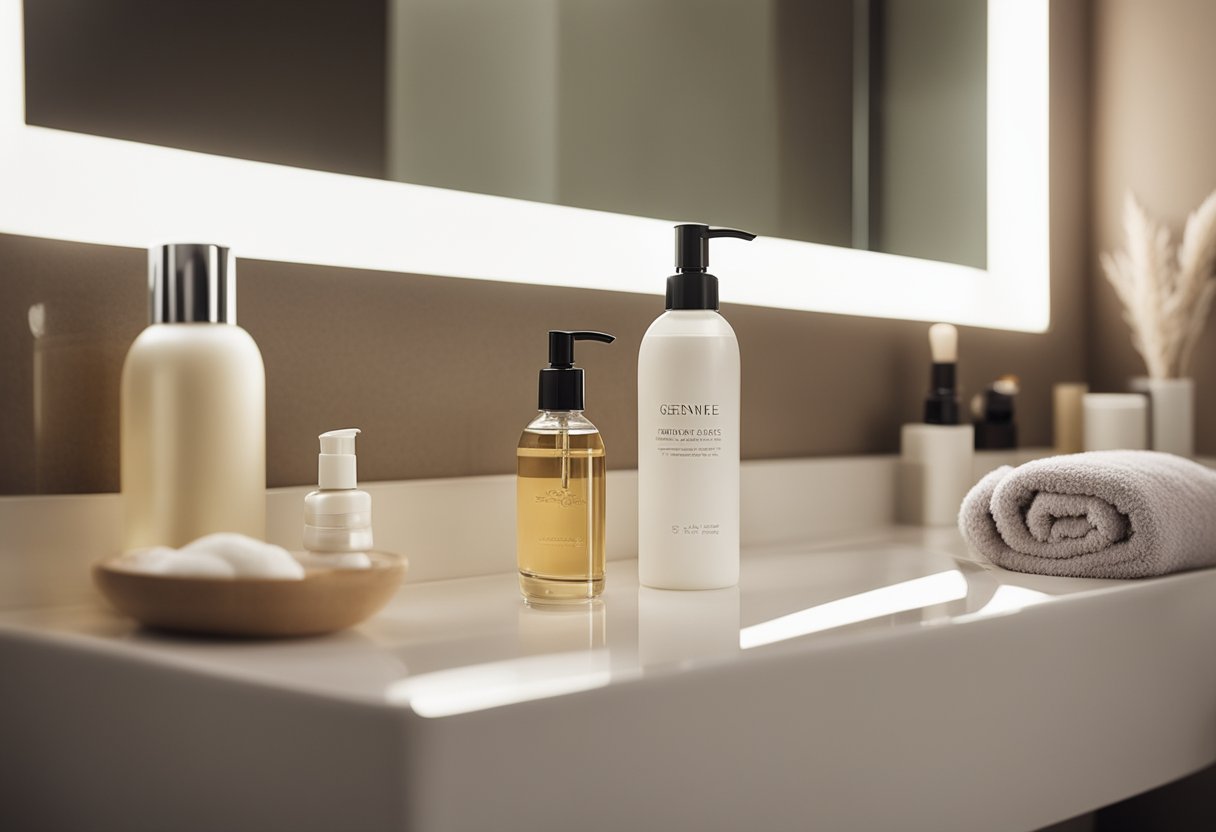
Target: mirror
[(70, 185), (853, 123)]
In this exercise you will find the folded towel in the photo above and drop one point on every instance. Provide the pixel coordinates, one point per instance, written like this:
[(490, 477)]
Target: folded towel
[(1103, 514)]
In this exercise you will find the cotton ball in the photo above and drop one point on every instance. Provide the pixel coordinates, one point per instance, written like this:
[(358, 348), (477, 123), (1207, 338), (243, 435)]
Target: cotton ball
[(248, 558), (147, 560), (162, 560)]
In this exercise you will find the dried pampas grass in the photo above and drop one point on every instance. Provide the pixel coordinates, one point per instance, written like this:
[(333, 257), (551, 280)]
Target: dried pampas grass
[(1166, 297)]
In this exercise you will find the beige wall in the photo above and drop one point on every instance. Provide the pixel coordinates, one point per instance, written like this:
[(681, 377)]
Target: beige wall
[(1154, 129), (441, 373), (1154, 132)]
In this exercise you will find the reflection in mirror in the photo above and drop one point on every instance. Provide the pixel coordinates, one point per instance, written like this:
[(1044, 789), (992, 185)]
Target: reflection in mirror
[(848, 122)]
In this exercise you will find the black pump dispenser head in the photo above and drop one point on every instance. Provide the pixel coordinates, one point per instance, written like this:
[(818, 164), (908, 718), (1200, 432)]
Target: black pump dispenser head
[(692, 287), (561, 383)]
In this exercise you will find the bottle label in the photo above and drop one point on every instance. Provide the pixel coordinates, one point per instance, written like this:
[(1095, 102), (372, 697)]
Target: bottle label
[(551, 515), (563, 497), (696, 529), (690, 410), (689, 430)]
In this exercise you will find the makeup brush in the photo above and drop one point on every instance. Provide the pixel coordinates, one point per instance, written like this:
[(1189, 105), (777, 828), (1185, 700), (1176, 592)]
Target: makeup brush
[(941, 404)]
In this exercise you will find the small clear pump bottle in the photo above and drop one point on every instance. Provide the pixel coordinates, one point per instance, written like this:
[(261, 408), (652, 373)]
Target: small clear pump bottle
[(560, 500), (337, 516)]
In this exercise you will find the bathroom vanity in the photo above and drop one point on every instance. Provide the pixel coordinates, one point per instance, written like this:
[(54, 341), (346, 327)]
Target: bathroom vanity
[(862, 675), (883, 678)]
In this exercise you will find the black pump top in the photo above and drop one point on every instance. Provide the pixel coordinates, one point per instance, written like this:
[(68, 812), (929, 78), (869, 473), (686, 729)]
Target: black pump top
[(692, 287), (561, 383)]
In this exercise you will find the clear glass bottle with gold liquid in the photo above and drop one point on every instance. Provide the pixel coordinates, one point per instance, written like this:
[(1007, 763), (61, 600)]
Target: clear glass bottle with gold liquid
[(560, 498)]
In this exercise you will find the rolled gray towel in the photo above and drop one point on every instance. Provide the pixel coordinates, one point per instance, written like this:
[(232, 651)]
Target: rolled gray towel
[(1102, 514)]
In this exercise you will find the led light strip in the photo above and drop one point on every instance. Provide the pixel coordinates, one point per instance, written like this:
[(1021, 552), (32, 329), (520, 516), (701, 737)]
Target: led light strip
[(91, 189)]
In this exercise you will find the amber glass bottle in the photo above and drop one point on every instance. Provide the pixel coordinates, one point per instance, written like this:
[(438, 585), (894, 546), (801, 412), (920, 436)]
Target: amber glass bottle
[(560, 497)]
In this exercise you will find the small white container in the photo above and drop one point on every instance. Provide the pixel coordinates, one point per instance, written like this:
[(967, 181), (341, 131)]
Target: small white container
[(935, 472), (338, 516), (1116, 421), (1171, 420)]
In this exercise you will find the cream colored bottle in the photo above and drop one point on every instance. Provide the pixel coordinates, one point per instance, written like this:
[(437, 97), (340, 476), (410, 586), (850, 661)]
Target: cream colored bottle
[(193, 408)]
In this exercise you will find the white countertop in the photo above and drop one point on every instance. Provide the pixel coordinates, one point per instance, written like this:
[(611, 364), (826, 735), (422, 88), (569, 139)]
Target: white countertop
[(457, 637), (891, 681)]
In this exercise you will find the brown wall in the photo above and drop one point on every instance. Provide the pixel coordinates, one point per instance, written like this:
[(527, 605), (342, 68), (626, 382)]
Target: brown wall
[(1154, 129), (440, 373)]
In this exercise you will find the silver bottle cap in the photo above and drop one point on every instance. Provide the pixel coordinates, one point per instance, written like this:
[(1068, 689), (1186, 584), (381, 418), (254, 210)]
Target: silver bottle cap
[(192, 283)]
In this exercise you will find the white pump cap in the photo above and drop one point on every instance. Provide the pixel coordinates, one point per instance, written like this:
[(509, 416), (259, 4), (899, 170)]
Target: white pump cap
[(336, 468)]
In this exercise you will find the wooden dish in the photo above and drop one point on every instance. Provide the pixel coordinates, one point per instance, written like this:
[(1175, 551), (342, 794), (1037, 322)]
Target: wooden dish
[(325, 600)]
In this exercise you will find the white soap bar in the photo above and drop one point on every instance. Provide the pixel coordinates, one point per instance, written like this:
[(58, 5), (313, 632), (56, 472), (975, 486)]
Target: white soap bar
[(223, 555)]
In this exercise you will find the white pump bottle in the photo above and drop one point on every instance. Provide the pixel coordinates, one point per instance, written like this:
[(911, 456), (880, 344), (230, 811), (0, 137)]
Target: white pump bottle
[(688, 430), (338, 516)]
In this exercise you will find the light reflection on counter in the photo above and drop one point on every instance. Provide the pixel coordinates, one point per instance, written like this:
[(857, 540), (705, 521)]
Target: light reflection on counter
[(562, 629), (478, 687), (938, 588), (1007, 598), (560, 651)]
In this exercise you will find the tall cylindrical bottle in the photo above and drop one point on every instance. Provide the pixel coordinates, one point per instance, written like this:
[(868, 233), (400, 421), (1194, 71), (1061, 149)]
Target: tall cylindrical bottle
[(193, 408), (689, 429)]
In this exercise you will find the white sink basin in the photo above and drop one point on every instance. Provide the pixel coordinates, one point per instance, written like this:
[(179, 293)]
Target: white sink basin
[(892, 683)]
